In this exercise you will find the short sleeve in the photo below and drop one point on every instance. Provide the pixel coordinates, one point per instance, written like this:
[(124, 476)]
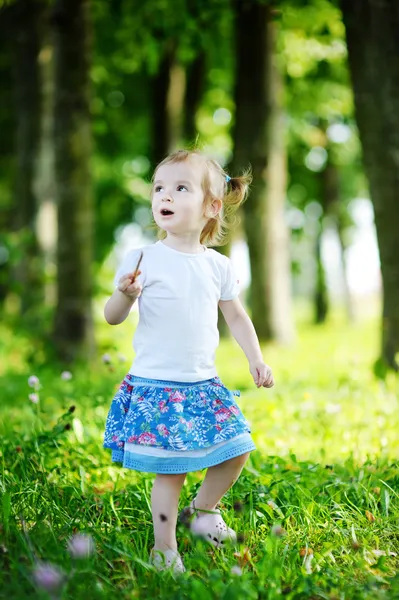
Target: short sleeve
[(127, 265), (230, 286)]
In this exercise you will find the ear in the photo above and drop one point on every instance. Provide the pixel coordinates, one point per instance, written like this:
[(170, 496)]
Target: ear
[(213, 209)]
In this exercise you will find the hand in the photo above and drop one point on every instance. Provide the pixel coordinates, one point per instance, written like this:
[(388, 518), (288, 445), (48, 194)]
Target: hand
[(129, 285), (262, 374)]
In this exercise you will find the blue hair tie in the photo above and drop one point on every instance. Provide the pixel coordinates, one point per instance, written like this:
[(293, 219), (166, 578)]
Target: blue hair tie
[(228, 178)]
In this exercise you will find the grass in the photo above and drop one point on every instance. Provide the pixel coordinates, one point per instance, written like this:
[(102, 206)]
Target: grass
[(317, 503)]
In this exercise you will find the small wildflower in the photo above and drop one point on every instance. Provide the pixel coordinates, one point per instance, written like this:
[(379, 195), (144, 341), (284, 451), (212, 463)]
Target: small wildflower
[(272, 504), (66, 375), (107, 359), (370, 516), (243, 557), (236, 570), (48, 577), (305, 551), (34, 397), (122, 358), (33, 382), (277, 531), (81, 546)]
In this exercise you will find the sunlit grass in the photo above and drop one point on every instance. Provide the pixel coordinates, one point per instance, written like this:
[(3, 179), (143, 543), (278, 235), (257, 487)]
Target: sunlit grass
[(325, 470)]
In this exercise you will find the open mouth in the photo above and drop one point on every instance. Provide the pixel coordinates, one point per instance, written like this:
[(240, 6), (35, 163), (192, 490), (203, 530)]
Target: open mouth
[(165, 212)]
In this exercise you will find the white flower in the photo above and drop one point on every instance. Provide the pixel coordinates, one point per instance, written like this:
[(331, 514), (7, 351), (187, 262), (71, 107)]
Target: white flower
[(236, 570), (106, 359), (277, 530), (34, 397), (34, 382), (81, 545), (122, 358), (66, 375), (48, 577)]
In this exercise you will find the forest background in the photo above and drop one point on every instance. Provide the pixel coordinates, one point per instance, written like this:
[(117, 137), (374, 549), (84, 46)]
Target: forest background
[(94, 94)]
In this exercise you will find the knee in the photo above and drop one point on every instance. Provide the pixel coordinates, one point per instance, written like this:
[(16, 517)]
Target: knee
[(172, 479)]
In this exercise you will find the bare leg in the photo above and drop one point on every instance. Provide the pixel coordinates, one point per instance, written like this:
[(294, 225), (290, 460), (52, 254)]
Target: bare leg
[(218, 480), (164, 504)]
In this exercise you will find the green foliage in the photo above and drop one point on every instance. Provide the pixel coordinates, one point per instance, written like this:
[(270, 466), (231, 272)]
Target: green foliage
[(317, 504)]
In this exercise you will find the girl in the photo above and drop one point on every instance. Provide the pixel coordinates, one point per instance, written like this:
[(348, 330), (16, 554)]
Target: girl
[(172, 414)]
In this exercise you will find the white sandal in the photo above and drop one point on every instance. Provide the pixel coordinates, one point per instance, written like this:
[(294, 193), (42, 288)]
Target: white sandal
[(208, 525), (167, 559)]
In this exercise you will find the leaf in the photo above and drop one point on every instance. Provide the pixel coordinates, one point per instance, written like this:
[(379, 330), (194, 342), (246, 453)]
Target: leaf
[(6, 509), (78, 429)]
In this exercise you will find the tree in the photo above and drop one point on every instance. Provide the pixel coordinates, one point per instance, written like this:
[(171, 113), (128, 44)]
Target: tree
[(257, 121), (73, 327), (26, 24), (373, 47)]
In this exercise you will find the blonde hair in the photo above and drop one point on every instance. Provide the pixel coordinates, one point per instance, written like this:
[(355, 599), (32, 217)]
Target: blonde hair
[(216, 185)]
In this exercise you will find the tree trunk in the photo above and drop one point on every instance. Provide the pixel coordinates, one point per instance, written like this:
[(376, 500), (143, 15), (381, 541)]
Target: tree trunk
[(7, 147), (28, 272), (73, 328), (195, 77), (349, 304), (44, 184), (168, 90), (333, 207), (257, 127), (373, 47), (278, 258), (320, 295)]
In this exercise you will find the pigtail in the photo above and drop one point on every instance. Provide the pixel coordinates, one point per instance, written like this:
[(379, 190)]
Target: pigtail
[(236, 192)]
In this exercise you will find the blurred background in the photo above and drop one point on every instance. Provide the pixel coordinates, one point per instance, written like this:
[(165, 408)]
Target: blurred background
[(95, 93), (306, 92)]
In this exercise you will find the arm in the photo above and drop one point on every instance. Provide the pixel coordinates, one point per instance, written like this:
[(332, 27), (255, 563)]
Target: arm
[(118, 307), (244, 332)]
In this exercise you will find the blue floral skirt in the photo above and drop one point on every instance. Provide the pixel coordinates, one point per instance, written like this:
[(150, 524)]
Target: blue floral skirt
[(171, 427)]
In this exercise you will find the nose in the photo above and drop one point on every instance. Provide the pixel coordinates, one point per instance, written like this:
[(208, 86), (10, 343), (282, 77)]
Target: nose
[(167, 198)]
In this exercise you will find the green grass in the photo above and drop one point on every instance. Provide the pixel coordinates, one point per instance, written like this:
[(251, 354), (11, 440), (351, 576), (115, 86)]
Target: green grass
[(326, 470)]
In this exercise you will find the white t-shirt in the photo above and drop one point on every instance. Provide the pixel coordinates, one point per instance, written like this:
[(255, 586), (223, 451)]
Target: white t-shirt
[(177, 335)]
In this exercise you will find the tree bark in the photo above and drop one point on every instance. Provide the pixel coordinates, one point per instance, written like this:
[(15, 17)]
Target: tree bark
[(73, 327), (321, 304), (278, 258), (168, 90), (257, 127), (44, 184), (373, 50), (195, 78), (27, 16)]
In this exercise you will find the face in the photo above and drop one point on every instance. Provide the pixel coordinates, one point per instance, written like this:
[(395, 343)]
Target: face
[(178, 198)]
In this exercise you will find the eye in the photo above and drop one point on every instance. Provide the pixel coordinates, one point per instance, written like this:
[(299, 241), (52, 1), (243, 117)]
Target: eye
[(182, 188), (158, 188)]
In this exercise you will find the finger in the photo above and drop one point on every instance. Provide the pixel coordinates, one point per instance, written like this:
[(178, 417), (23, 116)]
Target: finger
[(269, 382), (134, 275), (122, 285)]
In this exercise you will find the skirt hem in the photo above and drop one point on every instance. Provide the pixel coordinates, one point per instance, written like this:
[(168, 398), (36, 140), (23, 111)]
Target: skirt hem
[(148, 464)]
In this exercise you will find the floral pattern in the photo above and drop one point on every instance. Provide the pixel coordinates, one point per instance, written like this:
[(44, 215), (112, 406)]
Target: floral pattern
[(172, 416)]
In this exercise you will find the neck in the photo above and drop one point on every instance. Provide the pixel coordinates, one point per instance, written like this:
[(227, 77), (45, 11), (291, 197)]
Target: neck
[(189, 243)]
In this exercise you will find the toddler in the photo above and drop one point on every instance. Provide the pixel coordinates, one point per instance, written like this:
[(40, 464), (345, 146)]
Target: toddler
[(172, 414)]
